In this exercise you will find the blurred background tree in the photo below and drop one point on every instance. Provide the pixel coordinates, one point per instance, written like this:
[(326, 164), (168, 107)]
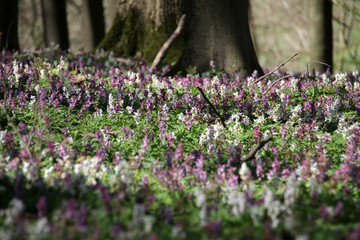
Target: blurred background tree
[(218, 31), (321, 35), (93, 23), (141, 27), (8, 25), (279, 28), (55, 23)]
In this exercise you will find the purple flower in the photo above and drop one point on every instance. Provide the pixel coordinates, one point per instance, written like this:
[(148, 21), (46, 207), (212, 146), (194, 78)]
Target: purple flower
[(41, 206), (179, 152), (355, 234), (144, 148), (23, 128), (324, 212), (80, 218), (105, 195), (257, 133), (42, 96), (73, 102), (8, 139), (39, 132), (339, 209), (70, 212), (214, 229), (144, 181), (62, 151), (101, 154), (51, 146), (116, 231)]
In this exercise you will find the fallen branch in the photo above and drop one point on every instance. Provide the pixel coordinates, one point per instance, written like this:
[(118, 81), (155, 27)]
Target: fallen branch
[(253, 151), (275, 69), (167, 44), (278, 80), (258, 146), (212, 107)]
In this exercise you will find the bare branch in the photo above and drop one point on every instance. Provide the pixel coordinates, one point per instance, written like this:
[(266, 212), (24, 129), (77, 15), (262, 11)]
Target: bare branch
[(307, 64), (212, 107), (258, 146), (167, 44), (275, 69), (278, 80)]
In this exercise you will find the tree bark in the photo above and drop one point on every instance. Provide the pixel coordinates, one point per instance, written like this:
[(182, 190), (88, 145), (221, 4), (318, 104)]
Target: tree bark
[(142, 27), (218, 31), (9, 39), (55, 24), (93, 23), (321, 35)]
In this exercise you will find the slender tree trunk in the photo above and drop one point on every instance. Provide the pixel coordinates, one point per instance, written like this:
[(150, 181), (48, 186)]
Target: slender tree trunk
[(9, 39), (93, 22), (218, 31), (321, 35), (55, 24)]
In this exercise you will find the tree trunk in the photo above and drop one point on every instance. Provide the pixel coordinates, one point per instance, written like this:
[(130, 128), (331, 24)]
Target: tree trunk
[(321, 35), (55, 24), (93, 23), (141, 28), (218, 31), (9, 39)]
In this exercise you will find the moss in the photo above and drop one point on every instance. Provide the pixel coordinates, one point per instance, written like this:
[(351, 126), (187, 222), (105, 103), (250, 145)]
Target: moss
[(128, 41), (128, 38), (155, 38), (113, 36)]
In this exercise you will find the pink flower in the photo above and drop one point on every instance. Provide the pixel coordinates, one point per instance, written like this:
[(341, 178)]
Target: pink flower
[(41, 206)]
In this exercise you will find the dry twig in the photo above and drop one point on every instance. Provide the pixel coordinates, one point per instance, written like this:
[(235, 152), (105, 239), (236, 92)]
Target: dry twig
[(253, 151), (275, 69), (167, 44), (278, 80), (212, 107)]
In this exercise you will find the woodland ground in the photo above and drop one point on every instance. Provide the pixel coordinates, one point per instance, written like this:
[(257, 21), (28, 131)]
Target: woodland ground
[(91, 149)]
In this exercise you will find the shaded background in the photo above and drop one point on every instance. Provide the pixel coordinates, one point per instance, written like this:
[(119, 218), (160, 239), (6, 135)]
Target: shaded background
[(279, 28)]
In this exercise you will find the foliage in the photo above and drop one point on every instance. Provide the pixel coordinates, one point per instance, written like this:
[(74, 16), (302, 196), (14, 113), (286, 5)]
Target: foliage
[(92, 149)]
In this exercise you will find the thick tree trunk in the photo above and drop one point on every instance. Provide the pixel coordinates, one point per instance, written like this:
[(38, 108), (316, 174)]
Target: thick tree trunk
[(9, 25), (142, 27), (321, 35), (55, 24), (218, 31), (93, 23)]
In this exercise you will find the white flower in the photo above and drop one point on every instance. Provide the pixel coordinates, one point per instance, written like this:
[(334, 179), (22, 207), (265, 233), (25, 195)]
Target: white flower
[(41, 228), (292, 190), (16, 207), (203, 138), (181, 116), (217, 128), (110, 108), (256, 213), (222, 90), (260, 120), (238, 202), (129, 109), (200, 197), (340, 79), (244, 172), (48, 172), (269, 197), (212, 65), (137, 116)]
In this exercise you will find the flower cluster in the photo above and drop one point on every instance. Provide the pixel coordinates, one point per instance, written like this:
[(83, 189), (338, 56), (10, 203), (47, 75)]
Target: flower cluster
[(89, 148)]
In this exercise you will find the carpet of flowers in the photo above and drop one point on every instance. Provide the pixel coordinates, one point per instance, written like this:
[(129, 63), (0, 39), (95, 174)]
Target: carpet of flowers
[(92, 149)]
